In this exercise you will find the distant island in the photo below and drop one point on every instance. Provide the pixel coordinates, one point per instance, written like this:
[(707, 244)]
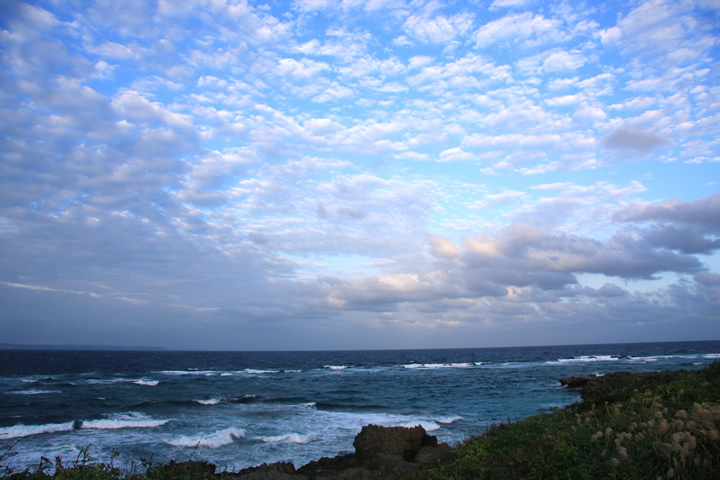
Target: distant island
[(15, 346)]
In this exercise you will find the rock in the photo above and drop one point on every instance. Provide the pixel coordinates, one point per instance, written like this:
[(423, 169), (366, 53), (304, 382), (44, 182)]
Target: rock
[(374, 440), (380, 452), (189, 469), (618, 381), (575, 382), (273, 471)]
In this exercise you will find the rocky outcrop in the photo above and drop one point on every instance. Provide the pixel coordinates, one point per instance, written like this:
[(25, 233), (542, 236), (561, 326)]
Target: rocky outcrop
[(616, 382), (594, 387), (575, 382), (380, 453)]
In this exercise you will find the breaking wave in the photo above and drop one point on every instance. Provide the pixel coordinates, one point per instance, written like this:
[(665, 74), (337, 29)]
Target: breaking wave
[(214, 440), (291, 438)]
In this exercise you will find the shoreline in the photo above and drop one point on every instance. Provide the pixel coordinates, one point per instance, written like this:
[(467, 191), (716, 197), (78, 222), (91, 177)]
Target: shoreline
[(385, 452)]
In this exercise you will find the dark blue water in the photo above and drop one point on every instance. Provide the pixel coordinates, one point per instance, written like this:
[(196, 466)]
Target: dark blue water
[(239, 409)]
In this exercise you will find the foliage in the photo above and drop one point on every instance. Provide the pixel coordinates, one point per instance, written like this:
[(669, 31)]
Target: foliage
[(655, 431)]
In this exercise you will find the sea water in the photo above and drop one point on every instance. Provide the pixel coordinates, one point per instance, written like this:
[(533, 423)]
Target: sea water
[(241, 409)]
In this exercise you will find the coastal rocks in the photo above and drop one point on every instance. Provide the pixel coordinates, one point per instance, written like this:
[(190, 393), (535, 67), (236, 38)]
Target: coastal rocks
[(594, 387), (575, 382), (273, 471), (618, 381), (380, 452)]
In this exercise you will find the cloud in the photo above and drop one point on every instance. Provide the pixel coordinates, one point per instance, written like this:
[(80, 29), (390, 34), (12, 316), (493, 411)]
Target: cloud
[(328, 167), (526, 29), (429, 28), (626, 139), (705, 211)]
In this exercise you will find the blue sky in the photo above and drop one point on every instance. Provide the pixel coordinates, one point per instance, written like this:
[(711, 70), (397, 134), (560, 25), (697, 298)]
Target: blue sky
[(317, 174)]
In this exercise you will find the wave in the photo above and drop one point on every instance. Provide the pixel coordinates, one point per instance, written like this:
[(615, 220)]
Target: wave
[(33, 392), (19, 431), (584, 359), (242, 399), (429, 426), (214, 440), (448, 420), (211, 401), (258, 372), (712, 356), (433, 366), (204, 373), (146, 383), (337, 367), (291, 438), (118, 421)]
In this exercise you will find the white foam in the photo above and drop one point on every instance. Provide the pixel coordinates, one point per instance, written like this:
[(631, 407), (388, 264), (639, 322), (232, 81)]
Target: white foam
[(645, 359), (427, 425), (711, 355), (146, 383), (206, 373), (337, 367), (33, 392), (254, 371), (19, 431), (129, 420), (214, 440), (291, 438), (584, 359), (448, 420), (211, 401), (433, 366)]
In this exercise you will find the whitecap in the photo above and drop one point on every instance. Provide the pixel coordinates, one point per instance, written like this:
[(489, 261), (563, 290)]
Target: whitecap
[(337, 367), (146, 383), (129, 420), (448, 420), (291, 438), (211, 401), (584, 359), (711, 356), (34, 392), (427, 425), (254, 371), (214, 440), (206, 373), (19, 431), (434, 366)]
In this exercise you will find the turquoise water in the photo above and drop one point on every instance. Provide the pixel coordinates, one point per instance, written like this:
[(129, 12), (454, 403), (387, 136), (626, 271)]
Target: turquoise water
[(240, 409)]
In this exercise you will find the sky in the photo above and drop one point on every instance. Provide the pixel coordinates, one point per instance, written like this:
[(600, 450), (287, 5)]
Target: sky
[(359, 174)]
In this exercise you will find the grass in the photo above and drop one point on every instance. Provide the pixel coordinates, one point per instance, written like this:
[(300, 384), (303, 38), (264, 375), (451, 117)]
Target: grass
[(653, 430)]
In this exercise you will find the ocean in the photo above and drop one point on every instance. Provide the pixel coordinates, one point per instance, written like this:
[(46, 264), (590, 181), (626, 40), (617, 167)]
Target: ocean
[(241, 409)]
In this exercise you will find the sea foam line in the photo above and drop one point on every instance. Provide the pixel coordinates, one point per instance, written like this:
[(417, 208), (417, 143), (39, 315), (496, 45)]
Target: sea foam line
[(19, 431), (33, 392), (214, 440), (146, 383), (291, 438), (130, 420)]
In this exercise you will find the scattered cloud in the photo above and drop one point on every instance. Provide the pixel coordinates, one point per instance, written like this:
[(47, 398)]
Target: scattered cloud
[(300, 172)]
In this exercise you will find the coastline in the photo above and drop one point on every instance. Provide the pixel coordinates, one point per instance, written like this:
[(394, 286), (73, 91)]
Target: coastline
[(402, 452)]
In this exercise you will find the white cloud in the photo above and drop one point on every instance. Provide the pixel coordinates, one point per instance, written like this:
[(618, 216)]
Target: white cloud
[(363, 162), (525, 29), (438, 28)]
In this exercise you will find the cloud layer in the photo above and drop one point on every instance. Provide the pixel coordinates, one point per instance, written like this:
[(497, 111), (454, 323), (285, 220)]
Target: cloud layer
[(343, 174)]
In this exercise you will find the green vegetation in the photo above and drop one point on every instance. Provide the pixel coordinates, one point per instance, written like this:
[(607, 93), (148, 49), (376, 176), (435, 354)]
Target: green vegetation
[(650, 430)]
